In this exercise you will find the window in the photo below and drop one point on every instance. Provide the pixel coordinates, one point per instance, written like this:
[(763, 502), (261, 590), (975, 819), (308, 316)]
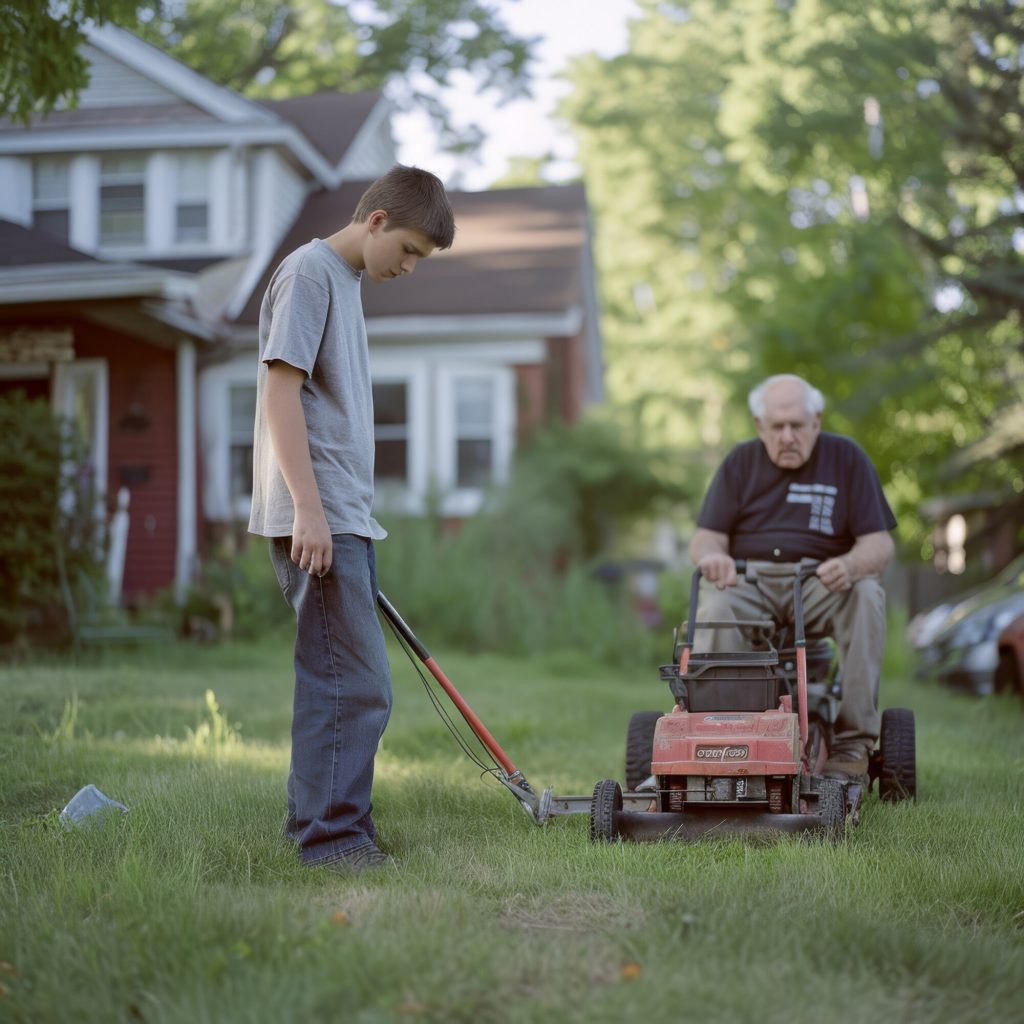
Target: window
[(50, 196), (243, 417), (80, 397), (192, 212), (123, 199), (391, 430), (474, 431)]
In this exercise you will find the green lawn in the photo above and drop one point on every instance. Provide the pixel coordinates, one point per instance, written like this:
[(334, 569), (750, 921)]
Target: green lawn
[(192, 908)]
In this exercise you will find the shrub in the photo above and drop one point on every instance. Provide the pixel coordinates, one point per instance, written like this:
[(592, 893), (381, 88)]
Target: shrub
[(518, 577), (50, 546), (237, 595)]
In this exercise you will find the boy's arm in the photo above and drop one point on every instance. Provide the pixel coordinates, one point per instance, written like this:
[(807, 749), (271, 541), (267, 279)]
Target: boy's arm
[(311, 537)]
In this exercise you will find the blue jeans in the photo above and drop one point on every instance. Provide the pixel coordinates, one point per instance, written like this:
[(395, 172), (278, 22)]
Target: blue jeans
[(342, 697)]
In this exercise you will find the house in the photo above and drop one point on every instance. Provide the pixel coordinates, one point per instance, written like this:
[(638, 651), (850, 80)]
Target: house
[(138, 232)]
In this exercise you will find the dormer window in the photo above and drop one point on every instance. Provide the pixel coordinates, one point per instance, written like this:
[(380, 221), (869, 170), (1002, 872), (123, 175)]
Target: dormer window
[(50, 196), (192, 210), (123, 199)]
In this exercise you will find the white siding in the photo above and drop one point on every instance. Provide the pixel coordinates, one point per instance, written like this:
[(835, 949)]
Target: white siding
[(84, 180), (16, 190), (215, 430), (278, 194), (372, 151), (431, 373), (224, 203), (113, 84), (161, 184)]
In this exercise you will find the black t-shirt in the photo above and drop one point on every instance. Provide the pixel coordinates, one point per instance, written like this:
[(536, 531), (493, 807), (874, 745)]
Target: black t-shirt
[(783, 515)]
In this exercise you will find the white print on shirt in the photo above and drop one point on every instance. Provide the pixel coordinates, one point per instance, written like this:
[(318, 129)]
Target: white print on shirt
[(821, 498)]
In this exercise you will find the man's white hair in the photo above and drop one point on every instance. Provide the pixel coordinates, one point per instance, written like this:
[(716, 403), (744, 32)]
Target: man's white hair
[(814, 400)]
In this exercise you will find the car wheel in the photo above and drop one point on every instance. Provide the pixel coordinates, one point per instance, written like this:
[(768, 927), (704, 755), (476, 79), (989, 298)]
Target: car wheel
[(639, 744), (1007, 678), (897, 777), (604, 807)]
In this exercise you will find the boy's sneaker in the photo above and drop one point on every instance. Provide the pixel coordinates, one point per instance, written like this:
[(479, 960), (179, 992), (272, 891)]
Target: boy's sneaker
[(363, 858)]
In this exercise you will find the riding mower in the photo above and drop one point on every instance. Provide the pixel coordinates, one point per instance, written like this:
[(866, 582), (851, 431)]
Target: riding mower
[(744, 746), (742, 750)]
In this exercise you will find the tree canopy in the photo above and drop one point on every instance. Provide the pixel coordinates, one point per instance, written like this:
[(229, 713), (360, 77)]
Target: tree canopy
[(826, 187), (264, 48), (41, 63)]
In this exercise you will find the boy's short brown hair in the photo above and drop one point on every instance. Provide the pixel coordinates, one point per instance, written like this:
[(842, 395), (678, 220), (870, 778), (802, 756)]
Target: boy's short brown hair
[(412, 198)]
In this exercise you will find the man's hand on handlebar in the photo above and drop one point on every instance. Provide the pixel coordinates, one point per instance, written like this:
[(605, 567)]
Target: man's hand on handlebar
[(835, 574), (718, 569)]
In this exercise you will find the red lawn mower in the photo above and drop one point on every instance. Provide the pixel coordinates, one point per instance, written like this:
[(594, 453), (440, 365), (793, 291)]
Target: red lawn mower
[(740, 752), (744, 746)]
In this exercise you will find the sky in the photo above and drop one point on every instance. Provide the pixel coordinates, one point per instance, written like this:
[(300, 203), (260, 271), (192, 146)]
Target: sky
[(523, 127)]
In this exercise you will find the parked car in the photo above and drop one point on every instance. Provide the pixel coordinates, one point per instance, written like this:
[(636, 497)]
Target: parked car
[(963, 650), (1010, 667), (926, 625)]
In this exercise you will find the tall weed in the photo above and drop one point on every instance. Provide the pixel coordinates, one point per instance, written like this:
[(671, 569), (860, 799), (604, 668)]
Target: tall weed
[(519, 576)]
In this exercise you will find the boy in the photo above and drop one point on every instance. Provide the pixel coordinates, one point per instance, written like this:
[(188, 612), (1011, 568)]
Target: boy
[(312, 493)]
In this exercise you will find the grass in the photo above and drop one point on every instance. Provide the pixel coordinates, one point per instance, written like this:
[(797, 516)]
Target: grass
[(192, 908)]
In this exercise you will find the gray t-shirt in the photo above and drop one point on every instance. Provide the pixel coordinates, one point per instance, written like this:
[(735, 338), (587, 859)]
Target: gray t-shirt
[(312, 318)]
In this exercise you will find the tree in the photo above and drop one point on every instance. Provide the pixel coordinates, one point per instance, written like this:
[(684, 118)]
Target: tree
[(847, 180), (654, 159), (912, 113), (41, 63), (264, 48)]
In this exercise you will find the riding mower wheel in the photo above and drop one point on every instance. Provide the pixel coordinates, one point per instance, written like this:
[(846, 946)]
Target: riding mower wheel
[(607, 802), (639, 744), (897, 770), (832, 809)]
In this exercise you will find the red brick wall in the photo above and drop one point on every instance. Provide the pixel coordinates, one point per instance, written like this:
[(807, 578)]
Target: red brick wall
[(574, 378), (566, 378), (142, 450), (531, 399), (554, 391)]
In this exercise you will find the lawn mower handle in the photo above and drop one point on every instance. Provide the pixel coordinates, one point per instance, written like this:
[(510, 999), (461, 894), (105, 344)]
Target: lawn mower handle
[(538, 807), (806, 569)]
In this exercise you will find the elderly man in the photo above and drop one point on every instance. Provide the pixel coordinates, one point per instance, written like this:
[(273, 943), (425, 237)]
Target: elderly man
[(798, 494)]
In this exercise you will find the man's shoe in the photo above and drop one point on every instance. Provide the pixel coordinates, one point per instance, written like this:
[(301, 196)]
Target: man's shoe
[(849, 764), (363, 858)]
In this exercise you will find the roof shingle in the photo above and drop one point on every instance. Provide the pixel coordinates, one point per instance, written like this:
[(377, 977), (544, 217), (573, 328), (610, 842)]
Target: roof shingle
[(515, 251)]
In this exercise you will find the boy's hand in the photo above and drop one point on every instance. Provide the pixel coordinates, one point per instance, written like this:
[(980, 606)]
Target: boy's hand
[(312, 547)]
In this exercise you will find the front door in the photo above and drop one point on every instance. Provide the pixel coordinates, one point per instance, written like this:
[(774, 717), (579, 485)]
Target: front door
[(80, 398)]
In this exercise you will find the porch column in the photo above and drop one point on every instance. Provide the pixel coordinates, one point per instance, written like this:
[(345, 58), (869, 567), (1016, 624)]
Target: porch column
[(185, 371)]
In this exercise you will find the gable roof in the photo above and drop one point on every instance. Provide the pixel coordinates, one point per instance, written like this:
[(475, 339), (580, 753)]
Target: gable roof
[(175, 77), (134, 116), (141, 97), (22, 247), (35, 267), (516, 251), (330, 120)]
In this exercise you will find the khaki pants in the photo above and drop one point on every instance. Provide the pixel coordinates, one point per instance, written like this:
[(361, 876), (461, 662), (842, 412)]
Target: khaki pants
[(855, 618)]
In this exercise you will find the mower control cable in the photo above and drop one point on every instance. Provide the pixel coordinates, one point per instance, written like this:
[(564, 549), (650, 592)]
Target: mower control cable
[(409, 649), (503, 769)]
